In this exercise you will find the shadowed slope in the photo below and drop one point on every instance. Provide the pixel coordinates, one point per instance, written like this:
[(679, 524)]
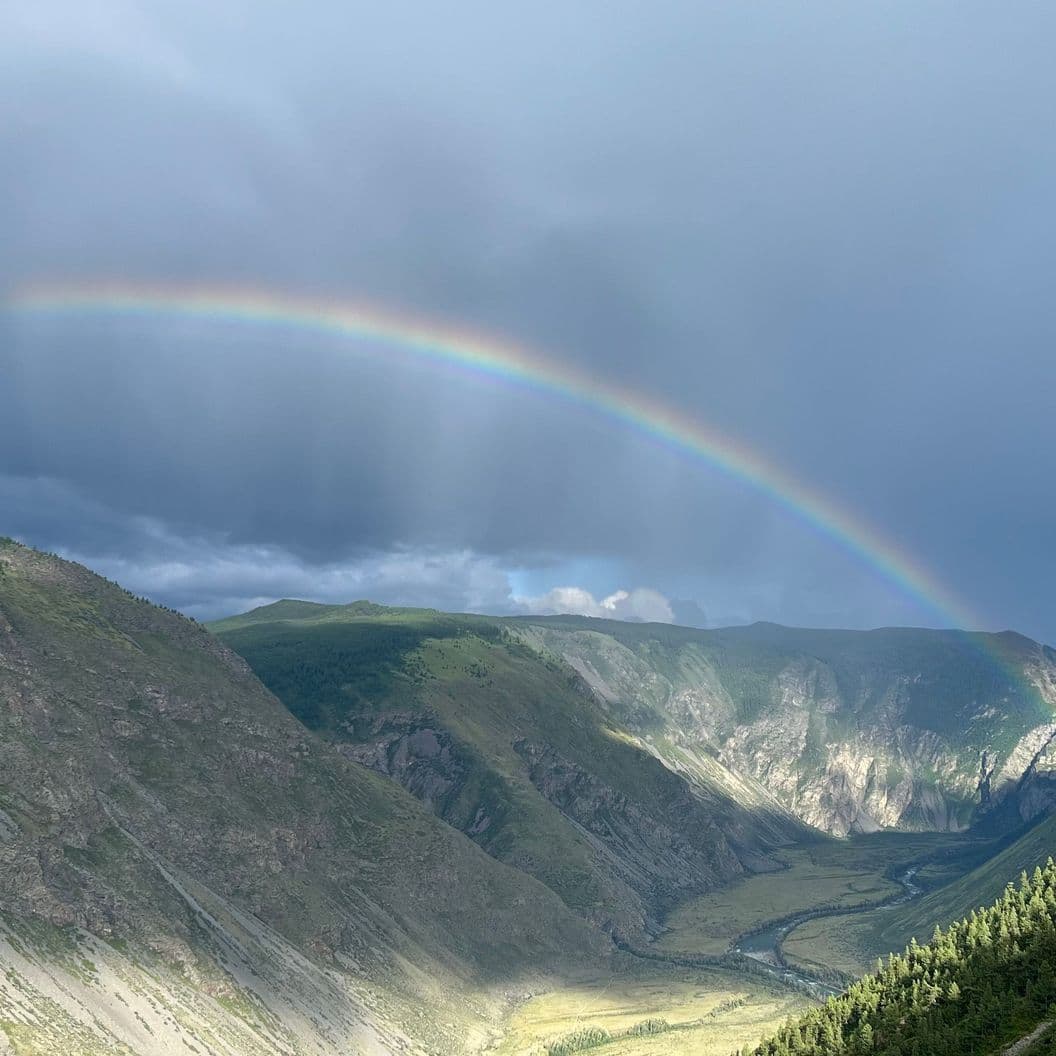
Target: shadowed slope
[(160, 807)]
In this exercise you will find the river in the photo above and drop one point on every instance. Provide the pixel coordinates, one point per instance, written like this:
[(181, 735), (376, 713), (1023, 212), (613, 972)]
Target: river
[(765, 946)]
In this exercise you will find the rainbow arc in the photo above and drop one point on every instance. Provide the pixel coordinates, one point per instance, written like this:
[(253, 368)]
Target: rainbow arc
[(373, 332)]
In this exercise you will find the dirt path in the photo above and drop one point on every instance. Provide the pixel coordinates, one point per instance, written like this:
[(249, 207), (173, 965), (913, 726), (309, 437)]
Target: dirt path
[(1021, 1046)]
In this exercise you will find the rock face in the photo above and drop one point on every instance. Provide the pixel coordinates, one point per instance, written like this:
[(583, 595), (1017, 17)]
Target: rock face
[(169, 831), (1025, 786), (851, 731), (426, 761), (904, 778), (684, 845)]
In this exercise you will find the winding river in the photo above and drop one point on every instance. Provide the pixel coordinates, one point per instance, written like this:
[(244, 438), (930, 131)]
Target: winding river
[(765, 946)]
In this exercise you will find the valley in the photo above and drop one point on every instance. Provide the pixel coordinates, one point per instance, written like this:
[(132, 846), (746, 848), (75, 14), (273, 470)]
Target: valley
[(844, 874), (328, 829), (716, 1010)]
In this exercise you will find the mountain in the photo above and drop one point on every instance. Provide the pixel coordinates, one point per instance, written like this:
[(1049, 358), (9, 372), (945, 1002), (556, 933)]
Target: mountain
[(987, 980), (413, 821), (849, 730), (510, 745), (184, 867)]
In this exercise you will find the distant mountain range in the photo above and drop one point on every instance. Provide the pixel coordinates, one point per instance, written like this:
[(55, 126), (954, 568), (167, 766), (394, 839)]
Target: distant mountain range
[(845, 730)]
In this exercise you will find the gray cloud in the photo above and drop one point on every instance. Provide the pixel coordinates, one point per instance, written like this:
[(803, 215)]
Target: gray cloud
[(209, 577), (826, 232)]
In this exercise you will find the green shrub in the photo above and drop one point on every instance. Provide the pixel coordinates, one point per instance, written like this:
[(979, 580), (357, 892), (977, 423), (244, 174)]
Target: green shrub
[(649, 1026), (578, 1041)]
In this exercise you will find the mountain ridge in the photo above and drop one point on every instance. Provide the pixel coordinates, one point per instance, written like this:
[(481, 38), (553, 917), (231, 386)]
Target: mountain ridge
[(891, 727), (267, 611)]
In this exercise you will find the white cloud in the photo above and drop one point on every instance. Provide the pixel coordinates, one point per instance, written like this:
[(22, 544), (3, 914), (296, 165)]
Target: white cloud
[(642, 603)]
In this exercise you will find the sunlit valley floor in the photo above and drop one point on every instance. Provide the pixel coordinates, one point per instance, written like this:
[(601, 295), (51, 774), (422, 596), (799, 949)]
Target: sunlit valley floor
[(718, 1011), (449, 835)]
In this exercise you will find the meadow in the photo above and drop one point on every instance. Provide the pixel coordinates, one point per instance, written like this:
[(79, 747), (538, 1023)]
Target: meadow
[(704, 1012)]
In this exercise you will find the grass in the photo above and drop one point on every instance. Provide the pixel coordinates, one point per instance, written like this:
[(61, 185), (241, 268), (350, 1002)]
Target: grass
[(708, 1013), (842, 943)]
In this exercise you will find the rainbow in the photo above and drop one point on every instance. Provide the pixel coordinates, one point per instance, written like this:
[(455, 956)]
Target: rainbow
[(429, 342)]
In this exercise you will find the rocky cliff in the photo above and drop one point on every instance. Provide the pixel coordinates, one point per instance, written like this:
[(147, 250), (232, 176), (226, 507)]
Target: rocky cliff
[(851, 731)]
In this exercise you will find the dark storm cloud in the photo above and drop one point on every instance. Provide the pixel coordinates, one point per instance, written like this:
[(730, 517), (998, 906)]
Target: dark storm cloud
[(825, 230)]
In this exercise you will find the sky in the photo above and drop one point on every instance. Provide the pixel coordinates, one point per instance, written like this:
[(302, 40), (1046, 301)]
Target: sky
[(824, 231)]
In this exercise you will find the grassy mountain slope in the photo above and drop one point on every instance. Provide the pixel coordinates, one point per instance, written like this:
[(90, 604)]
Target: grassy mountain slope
[(977, 888), (851, 730), (512, 747), (183, 864)]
